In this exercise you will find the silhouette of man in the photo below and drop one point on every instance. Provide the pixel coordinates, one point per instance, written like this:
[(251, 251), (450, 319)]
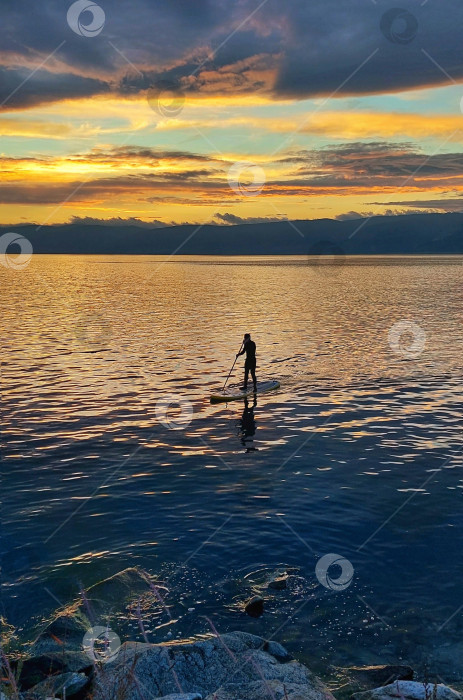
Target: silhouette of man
[(249, 347)]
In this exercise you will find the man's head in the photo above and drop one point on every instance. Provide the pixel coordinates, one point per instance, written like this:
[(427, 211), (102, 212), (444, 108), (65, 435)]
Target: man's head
[(247, 336)]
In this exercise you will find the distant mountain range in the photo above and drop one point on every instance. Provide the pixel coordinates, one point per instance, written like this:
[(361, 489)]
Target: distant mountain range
[(394, 235)]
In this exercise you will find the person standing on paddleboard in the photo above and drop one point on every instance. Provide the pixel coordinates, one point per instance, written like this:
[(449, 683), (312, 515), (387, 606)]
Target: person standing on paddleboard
[(249, 347)]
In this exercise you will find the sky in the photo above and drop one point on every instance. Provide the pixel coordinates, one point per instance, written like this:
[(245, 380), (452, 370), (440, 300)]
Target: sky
[(228, 111)]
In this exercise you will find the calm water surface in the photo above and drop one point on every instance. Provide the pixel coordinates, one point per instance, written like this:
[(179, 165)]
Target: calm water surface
[(358, 453)]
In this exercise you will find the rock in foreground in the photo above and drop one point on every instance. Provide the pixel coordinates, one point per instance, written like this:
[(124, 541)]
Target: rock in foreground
[(409, 690), (236, 666)]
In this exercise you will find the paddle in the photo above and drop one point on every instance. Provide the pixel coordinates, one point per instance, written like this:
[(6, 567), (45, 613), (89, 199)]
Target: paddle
[(223, 388)]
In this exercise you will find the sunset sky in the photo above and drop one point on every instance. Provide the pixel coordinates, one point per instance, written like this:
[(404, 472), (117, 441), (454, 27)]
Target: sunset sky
[(138, 110)]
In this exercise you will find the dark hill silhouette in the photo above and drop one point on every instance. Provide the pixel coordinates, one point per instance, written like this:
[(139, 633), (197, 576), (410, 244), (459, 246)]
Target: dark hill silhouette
[(408, 234)]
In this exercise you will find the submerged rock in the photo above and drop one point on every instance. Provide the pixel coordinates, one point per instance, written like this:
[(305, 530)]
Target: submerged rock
[(65, 685), (448, 658), (279, 583), (100, 602), (115, 593), (64, 633), (38, 668), (410, 690), (255, 606), (231, 667), (373, 676)]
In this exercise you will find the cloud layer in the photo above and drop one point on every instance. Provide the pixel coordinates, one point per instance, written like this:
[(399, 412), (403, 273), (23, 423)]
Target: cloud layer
[(148, 175), (293, 49)]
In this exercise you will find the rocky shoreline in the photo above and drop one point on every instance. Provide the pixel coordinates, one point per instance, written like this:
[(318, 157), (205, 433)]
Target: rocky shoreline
[(77, 655)]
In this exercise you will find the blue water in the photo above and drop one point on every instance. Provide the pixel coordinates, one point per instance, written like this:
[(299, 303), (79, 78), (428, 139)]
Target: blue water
[(359, 453)]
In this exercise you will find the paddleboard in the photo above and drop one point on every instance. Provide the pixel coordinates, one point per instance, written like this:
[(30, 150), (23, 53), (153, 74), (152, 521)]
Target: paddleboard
[(234, 393)]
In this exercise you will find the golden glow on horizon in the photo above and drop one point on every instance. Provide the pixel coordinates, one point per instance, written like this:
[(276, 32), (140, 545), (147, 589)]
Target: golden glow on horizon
[(116, 157)]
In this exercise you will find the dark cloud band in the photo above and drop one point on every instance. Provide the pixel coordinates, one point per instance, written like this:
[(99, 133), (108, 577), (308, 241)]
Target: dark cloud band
[(295, 48)]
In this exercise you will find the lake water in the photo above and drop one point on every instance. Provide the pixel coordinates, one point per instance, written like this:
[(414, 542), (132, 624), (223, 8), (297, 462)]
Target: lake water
[(358, 454)]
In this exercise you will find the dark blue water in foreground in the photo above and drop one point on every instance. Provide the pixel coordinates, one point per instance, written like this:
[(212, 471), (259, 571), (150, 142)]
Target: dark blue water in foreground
[(358, 454)]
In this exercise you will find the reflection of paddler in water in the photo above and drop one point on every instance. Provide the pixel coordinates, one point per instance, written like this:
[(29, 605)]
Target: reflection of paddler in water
[(247, 426)]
